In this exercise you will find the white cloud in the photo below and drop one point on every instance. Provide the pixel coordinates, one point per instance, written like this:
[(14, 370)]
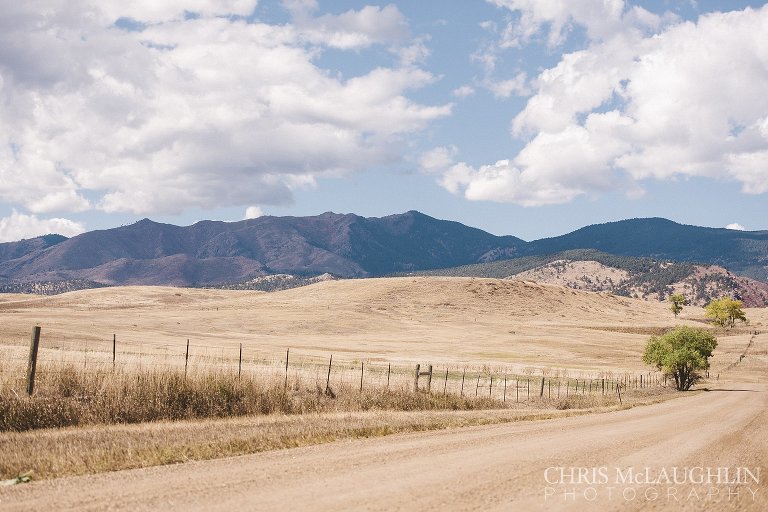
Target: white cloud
[(351, 29), (517, 86), (19, 226), (192, 111), (464, 91), (601, 18), (687, 101), (736, 226), (438, 159), (153, 11), (253, 212)]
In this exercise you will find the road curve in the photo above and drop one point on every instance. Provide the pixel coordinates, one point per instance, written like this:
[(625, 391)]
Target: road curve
[(498, 467)]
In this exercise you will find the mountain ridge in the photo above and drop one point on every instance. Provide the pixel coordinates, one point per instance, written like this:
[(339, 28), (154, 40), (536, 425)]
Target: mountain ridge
[(346, 245)]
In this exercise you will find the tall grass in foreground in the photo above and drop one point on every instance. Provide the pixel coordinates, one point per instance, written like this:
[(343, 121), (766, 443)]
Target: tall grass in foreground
[(65, 395)]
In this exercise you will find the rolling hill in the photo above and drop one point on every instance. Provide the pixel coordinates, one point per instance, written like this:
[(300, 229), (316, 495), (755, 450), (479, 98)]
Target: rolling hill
[(646, 278)]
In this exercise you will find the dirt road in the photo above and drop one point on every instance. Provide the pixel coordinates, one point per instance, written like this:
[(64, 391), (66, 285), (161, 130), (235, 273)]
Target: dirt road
[(501, 467)]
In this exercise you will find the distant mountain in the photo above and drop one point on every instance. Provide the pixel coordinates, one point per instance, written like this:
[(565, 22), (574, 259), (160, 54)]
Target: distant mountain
[(13, 250), (211, 253), (743, 252)]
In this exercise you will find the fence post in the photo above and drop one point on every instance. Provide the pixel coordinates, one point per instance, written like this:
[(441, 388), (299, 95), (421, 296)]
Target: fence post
[(389, 370), (541, 391), (445, 383), (32, 365), (464, 374), (528, 385), (186, 359), (287, 353), (240, 362), (362, 370), (429, 380), (477, 386), (114, 350), (504, 399), (328, 379), (416, 379), (517, 390)]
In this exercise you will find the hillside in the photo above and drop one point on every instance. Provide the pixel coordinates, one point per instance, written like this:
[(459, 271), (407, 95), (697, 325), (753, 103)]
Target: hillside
[(623, 275), (421, 319)]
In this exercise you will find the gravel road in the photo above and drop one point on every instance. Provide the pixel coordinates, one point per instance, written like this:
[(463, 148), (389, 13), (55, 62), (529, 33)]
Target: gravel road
[(577, 463)]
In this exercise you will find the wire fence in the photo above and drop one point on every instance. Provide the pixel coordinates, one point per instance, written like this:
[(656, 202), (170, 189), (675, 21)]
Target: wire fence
[(330, 373)]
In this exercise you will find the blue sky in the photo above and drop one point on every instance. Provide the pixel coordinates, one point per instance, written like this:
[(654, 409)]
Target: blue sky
[(523, 117)]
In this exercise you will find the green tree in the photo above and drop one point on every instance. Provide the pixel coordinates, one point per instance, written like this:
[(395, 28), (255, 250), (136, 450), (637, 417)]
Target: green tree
[(724, 312), (678, 301), (681, 354)]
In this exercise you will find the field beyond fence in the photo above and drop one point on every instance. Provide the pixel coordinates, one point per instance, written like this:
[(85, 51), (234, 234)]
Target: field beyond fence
[(118, 381)]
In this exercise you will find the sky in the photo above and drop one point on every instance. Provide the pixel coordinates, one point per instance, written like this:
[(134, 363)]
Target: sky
[(530, 118)]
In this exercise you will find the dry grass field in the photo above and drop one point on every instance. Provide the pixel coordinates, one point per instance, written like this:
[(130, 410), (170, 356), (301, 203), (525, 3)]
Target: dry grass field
[(428, 320), (497, 326)]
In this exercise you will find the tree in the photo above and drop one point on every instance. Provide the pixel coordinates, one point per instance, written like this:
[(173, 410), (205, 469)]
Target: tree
[(678, 301), (681, 354), (724, 312)]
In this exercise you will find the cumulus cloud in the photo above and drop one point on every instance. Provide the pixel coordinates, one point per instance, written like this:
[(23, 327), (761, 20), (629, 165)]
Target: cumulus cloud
[(601, 18), (736, 226), (18, 226), (688, 100), (253, 212), (351, 29), (194, 106), (438, 159)]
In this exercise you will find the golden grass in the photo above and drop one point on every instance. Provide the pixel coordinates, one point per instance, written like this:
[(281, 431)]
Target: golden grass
[(66, 395), (85, 450)]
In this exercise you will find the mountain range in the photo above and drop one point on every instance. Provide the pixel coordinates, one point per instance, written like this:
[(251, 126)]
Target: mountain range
[(220, 253)]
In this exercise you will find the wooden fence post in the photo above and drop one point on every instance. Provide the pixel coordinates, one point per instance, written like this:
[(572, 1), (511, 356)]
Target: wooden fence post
[(114, 350), (416, 379), (445, 383), (328, 379), (477, 386), (389, 370), (490, 388), (504, 399), (32, 365), (464, 374), (287, 354), (541, 391), (362, 371), (186, 359), (429, 380), (240, 362)]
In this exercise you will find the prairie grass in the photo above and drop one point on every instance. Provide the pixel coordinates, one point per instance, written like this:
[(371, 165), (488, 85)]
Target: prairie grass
[(75, 451), (66, 395), (82, 421)]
